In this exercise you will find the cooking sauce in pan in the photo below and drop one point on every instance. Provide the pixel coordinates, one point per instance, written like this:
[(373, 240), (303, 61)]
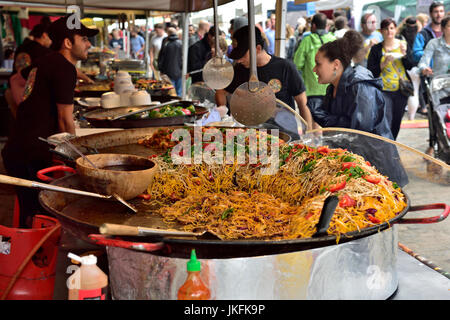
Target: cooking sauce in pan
[(126, 167)]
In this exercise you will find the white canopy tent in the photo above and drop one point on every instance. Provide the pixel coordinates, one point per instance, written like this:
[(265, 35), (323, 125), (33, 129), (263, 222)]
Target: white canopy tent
[(154, 5)]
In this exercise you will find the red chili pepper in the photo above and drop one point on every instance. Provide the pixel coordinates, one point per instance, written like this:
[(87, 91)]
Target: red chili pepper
[(372, 179), (210, 177), (323, 150), (373, 219), (368, 163), (347, 201), (145, 196), (337, 186), (348, 165), (308, 215)]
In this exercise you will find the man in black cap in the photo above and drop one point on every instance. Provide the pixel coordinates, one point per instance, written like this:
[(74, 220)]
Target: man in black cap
[(280, 74), (46, 109)]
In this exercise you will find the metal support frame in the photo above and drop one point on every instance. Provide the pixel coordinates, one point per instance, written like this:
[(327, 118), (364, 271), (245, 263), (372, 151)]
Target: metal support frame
[(280, 28), (185, 48)]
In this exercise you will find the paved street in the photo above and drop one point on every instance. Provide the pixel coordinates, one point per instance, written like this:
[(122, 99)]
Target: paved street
[(432, 241)]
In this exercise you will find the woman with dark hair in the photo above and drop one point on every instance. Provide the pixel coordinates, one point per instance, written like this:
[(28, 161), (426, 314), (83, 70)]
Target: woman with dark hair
[(388, 60), (354, 98)]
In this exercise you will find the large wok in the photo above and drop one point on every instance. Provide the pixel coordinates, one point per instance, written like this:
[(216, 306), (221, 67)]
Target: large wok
[(83, 216)]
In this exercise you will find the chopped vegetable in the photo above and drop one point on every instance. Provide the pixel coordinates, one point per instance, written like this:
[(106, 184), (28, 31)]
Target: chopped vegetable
[(347, 201), (348, 165), (337, 186), (348, 158), (323, 150), (308, 167), (226, 213), (372, 179)]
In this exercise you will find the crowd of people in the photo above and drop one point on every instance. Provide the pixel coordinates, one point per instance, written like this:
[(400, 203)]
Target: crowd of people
[(378, 52)]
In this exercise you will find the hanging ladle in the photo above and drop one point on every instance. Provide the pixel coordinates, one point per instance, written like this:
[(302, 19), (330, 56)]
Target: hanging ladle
[(218, 72), (253, 102)]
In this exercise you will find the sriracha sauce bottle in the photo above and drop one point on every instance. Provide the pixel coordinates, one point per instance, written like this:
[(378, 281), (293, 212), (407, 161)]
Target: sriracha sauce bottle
[(193, 288)]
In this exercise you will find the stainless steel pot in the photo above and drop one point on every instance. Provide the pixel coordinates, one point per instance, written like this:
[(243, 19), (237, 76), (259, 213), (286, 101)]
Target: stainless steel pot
[(360, 269)]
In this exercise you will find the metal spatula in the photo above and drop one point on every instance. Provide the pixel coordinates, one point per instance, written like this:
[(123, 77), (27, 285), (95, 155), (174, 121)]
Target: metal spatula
[(252, 102), (218, 72)]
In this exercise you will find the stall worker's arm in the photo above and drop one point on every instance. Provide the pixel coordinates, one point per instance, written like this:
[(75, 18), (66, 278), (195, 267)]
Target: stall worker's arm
[(65, 118), (304, 110), (151, 52), (221, 97), (84, 77), (17, 83)]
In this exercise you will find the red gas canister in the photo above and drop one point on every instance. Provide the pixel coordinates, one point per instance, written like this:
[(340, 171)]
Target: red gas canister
[(28, 260)]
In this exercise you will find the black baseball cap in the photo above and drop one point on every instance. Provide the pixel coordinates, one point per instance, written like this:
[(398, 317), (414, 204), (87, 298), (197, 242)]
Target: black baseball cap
[(243, 42), (38, 30), (66, 27)]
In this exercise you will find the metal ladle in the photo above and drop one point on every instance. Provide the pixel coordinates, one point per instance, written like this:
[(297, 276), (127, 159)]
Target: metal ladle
[(218, 72), (253, 102)]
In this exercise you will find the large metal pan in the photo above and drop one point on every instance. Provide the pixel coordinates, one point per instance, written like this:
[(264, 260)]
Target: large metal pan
[(100, 118), (83, 216)]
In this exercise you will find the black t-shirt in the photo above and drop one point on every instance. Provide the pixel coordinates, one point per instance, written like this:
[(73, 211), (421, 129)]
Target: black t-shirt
[(50, 81), (280, 74), (28, 53)]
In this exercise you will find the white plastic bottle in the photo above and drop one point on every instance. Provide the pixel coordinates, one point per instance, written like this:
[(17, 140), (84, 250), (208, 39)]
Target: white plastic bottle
[(89, 282)]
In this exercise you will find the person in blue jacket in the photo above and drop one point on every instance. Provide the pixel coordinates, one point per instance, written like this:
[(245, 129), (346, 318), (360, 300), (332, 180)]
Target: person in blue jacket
[(354, 98), (431, 31)]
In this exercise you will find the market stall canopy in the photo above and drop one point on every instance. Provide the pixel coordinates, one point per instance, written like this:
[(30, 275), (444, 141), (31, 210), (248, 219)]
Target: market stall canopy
[(159, 5)]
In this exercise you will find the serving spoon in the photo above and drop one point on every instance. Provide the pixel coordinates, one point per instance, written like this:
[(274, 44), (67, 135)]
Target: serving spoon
[(218, 72), (253, 102)]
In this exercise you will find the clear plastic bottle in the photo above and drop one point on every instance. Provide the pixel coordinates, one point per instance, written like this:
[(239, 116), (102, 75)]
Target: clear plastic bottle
[(89, 282), (193, 288)]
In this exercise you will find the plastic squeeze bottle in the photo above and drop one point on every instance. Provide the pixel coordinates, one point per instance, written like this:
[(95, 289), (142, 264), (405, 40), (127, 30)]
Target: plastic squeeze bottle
[(89, 282), (193, 288)]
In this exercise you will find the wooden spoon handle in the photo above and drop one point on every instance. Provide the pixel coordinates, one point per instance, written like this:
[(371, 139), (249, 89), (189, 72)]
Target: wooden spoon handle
[(16, 181)]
